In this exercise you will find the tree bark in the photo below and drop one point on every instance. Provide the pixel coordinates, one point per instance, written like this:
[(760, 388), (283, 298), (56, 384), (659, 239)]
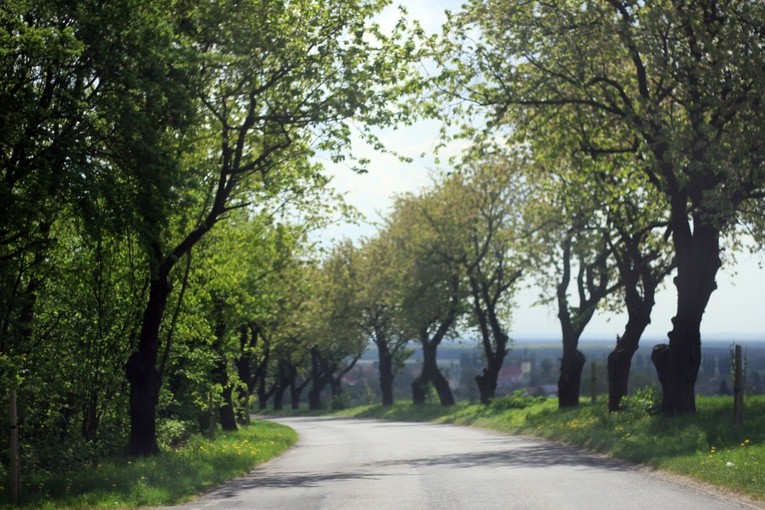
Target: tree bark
[(620, 359), (487, 380), (226, 411), (318, 381), (677, 365), (487, 384), (296, 389), (431, 374), (142, 373), (281, 385), (570, 379), (386, 373)]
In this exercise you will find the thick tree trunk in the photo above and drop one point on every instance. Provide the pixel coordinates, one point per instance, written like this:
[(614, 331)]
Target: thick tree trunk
[(487, 384), (144, 395), (318, 382), (619, 366), (264, 393), (336, 389), (281, 386), (226, 411), (296, 389), (487, 380), (279, 397), (295, 393), (620, 359), (570, 378), (314, 396), (386, 373), (677, 365), (142, 373), (431, 374)]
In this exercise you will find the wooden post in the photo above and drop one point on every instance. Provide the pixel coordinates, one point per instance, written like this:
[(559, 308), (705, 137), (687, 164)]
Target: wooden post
[(593, 384), (211, 416), (738, 387), (14, 450)]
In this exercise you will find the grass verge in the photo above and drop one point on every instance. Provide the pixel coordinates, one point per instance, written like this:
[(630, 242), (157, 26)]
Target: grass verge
[(166, 479), (706, 446)]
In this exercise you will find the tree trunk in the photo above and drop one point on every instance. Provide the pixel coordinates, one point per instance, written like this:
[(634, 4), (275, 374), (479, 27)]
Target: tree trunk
[(487, 380), (295, 396), (264, 393), (620, 359), (386, 373), (619, 366), (279, 397), (144, 395), (570, 378), (487, 384), (296, 389), (431, 374), (281, 385), (314, 396), (336, 388), (142, 373), (226, 411), (677, 365), (90, 417), (317, 380)]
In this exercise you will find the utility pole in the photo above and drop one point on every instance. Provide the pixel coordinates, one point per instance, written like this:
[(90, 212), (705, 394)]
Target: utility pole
[(738, 387)]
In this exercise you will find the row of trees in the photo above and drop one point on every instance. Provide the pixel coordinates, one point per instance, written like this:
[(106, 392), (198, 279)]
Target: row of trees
[(651, 108), (158, 179), (644, 124)]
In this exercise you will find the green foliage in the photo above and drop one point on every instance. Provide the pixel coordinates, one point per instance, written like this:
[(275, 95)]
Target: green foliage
[(516, 400)]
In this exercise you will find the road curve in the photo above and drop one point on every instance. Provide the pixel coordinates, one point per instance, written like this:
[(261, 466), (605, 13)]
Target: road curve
[(367, 465)]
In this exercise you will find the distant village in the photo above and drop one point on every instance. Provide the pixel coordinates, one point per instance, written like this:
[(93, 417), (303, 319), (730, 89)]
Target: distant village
[(533, 368)]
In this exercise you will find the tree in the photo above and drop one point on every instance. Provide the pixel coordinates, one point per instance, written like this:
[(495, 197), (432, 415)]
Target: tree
[(429, 281), (376, 295), (682, 82), (486, 202), (338, 339), (87, 93), (75, 118), (643, 259), (569, 223), (279, 80)]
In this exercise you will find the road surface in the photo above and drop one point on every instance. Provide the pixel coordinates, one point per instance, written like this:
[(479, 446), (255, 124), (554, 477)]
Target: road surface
[(368, 465)]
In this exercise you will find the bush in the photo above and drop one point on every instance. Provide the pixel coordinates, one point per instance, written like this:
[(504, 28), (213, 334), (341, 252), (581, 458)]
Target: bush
[(516, 400), (173, 433)]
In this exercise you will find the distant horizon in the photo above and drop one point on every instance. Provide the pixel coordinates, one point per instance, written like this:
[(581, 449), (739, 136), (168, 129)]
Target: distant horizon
[(603, 338)]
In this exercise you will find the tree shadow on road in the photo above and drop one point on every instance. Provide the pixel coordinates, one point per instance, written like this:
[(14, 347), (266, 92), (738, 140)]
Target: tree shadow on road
[(530, 456)]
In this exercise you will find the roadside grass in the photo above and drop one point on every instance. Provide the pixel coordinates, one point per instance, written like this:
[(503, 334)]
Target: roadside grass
[(170, 478), (707, 446)]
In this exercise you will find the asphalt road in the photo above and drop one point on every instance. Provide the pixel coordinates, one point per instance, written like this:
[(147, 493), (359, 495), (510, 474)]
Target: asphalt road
[(366, 465)]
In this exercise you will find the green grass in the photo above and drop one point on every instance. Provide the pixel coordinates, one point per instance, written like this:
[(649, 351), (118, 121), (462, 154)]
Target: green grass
[(706, 446), (170, 478)]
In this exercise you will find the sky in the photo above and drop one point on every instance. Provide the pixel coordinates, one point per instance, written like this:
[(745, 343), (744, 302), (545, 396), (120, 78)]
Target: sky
[(735, 311)]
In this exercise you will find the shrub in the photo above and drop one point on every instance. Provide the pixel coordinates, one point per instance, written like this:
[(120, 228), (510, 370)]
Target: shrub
[(516, 400)]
